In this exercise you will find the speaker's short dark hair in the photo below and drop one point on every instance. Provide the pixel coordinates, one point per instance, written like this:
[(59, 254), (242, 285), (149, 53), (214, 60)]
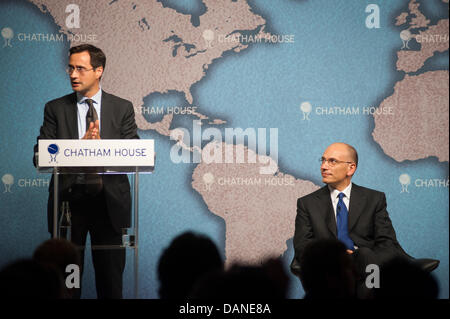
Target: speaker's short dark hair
[(98, 58)]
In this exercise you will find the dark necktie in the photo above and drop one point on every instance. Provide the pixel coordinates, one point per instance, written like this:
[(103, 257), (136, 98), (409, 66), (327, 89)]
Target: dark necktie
[(94, 182), (91, 115), (342, 223)]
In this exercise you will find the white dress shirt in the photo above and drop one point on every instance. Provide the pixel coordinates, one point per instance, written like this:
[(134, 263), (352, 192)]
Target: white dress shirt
[(334, 193)]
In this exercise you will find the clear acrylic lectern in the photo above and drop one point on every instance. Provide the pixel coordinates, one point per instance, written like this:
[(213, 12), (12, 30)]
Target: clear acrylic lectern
[(59, 166)]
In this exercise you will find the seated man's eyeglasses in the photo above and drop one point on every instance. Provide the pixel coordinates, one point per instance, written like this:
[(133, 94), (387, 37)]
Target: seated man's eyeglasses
[(332, 161), (80, 69)]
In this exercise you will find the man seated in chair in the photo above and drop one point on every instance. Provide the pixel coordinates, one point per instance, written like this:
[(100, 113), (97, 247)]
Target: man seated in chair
[(353, 214)]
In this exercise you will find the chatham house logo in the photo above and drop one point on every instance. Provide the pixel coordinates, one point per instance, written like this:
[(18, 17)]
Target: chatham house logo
[(404, 180), (208, 179), (53, 150), (8, 181), (208, 36), (406, 36), (8, 35), (306, 109)]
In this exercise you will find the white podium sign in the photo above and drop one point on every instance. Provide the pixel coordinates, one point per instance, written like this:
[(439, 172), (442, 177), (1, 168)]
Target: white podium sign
[(91, 153)]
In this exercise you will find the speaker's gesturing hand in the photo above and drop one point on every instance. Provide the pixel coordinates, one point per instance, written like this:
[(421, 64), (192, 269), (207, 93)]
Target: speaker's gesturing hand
[(93, 132)]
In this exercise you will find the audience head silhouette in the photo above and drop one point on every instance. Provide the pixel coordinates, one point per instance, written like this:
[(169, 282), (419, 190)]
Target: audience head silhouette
[(327, 270), (402, 278), (28, 278), (191, 267), (188, 257), (59, 253), (268, 281)]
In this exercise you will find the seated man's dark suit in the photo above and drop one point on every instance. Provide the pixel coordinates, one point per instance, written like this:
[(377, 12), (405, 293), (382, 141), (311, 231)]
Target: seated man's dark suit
[(112, 207), (369, 225)]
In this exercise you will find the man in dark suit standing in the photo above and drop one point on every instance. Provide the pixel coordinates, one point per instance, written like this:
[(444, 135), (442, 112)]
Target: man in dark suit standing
[(353, 214), (100, 204)]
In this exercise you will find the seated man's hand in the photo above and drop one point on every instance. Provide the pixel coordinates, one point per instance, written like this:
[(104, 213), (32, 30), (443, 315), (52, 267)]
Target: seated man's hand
[(349, 251)]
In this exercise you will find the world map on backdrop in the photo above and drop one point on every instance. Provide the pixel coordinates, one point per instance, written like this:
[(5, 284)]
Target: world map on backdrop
[(276, 81)]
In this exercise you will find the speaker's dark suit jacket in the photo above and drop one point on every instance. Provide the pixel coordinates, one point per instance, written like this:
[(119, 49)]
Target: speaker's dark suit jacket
[(117, 122), (369, 224)]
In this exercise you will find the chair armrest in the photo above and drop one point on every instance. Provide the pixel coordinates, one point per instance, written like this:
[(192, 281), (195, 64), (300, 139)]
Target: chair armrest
[(295, 267), (427, 264)]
